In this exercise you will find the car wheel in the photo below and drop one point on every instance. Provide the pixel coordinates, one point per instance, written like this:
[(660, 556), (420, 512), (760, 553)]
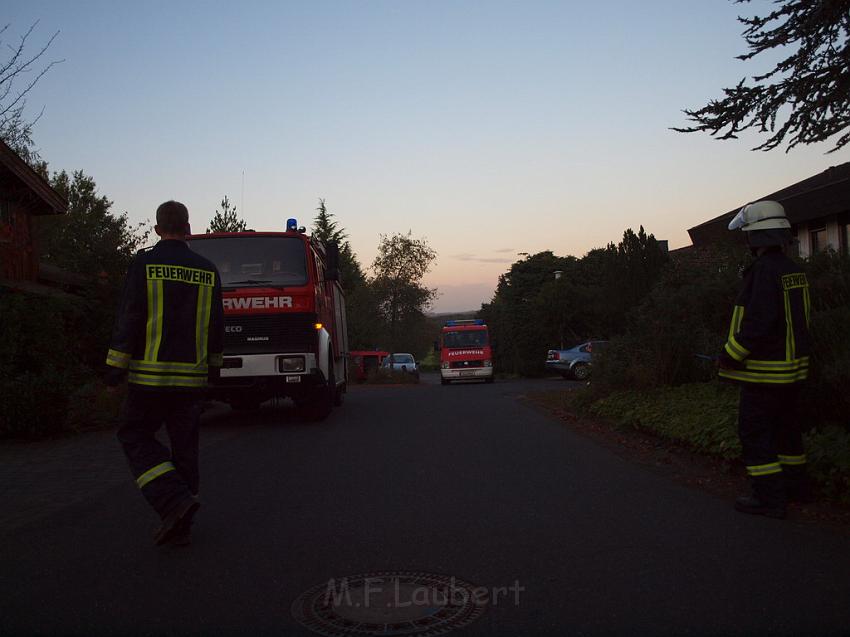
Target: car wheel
[(581, 371)]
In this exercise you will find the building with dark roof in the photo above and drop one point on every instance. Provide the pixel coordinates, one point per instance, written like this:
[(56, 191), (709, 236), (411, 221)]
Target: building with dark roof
[(818, 209), (24, 195)]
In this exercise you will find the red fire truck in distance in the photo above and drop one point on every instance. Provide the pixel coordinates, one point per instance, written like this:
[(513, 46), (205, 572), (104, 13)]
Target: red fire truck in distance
[(465, 351), (284, 315)]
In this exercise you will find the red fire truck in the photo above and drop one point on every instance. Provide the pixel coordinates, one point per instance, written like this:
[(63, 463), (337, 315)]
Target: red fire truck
[(465, 352), (284, 315)]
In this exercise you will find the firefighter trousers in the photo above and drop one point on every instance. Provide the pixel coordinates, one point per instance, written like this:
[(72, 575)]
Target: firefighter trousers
[(770, 433), (165, 476)]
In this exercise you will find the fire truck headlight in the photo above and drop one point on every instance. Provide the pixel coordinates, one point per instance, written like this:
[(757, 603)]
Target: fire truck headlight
[(488, 363), (318, 326), (444, 365), (292, 364)]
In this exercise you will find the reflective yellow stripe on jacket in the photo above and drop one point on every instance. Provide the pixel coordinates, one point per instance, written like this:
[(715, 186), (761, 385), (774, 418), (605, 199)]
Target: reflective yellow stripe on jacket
[(117, 359)]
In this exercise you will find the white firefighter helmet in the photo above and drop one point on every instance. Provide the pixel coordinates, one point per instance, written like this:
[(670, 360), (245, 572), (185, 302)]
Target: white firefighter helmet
[(761, 215)]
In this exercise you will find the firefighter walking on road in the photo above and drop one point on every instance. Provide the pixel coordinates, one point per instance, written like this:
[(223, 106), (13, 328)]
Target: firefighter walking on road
[(168, 340), (767, 353)]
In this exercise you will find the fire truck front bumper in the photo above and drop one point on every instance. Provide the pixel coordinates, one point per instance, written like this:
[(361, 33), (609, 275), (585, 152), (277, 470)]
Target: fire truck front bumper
[(267, 375), (464, 373)]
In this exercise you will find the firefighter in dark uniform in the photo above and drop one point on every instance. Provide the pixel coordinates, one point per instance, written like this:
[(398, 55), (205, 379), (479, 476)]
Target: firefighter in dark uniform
[(167, 341), (767, 353)]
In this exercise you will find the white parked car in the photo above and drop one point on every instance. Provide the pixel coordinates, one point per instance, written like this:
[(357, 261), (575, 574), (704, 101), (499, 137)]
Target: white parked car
[(401, 362)]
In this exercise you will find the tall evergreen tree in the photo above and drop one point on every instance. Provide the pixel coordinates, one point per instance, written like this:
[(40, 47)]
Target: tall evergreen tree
[(226, 219)]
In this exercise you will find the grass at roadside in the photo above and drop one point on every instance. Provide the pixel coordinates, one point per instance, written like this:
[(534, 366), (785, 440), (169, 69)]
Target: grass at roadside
[(702, 417)]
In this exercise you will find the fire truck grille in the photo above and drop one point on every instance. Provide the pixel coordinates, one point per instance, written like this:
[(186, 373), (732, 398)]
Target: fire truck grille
[(463, 364), (269, 334)]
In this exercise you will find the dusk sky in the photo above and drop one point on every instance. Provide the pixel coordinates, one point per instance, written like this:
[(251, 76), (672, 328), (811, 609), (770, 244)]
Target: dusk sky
[(491, 128)]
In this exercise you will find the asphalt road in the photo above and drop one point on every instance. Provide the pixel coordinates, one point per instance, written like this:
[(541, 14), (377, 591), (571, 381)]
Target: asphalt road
[(465, 480)]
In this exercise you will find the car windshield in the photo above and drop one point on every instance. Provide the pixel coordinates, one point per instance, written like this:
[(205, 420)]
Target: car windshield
[(256, 261), (402, 358), (464, 339)]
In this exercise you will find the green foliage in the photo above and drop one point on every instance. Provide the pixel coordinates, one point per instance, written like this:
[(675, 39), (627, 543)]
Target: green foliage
[(701, 415), (325, 229), (391, 377), (89, 239), (532, 312), (92, 241), (226, 219), (38, 372), (686, 313), (828, 452), (400, 296)]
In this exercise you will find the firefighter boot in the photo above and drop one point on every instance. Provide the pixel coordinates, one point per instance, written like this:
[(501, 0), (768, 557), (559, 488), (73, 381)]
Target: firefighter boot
[(798, 486), (768, 497), (176, 520)]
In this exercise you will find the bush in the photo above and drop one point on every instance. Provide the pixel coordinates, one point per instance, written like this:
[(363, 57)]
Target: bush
[(41, 375), (390, 377), (828, 452), (701, 415)]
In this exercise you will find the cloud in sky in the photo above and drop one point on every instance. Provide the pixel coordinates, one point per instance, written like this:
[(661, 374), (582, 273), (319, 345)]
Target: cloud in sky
[(472, 257)]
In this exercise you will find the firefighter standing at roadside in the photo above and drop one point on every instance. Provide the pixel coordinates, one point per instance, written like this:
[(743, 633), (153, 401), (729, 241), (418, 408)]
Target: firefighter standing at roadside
[(767, 353), (168, 340)]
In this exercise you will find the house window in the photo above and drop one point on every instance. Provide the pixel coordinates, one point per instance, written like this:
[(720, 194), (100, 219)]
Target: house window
[(818, 239)]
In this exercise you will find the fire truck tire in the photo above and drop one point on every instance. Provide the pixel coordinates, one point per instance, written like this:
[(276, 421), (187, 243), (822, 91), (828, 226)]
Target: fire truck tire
[(323, 401), (489, 380)]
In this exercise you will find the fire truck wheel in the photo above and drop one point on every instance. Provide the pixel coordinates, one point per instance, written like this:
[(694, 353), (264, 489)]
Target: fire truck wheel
[(323, 400), (444, 381), (489, 380)]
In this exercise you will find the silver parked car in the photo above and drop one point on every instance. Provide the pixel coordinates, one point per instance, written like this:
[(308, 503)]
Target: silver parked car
[(401, 362), (574, 362)]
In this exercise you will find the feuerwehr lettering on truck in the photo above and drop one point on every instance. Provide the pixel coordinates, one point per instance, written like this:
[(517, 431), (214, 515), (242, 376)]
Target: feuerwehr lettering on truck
[(257, 302)]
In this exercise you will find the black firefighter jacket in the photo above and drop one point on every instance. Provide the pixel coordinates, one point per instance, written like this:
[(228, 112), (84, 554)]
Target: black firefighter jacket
[(769, 334), (170, 325)]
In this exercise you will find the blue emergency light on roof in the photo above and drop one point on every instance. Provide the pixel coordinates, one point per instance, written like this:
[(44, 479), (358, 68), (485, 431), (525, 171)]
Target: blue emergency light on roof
[(292, 225), (465, 322)]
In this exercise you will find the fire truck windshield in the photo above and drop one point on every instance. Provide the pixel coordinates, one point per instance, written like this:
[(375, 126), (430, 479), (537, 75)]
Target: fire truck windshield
[(465, 339), (256, 261)]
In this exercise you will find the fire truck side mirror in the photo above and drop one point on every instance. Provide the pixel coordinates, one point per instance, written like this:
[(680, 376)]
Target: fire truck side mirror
[(436, 346), (332, 269)]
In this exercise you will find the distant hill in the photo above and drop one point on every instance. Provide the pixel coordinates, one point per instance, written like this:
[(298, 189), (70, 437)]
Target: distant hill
[(449, 316)]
